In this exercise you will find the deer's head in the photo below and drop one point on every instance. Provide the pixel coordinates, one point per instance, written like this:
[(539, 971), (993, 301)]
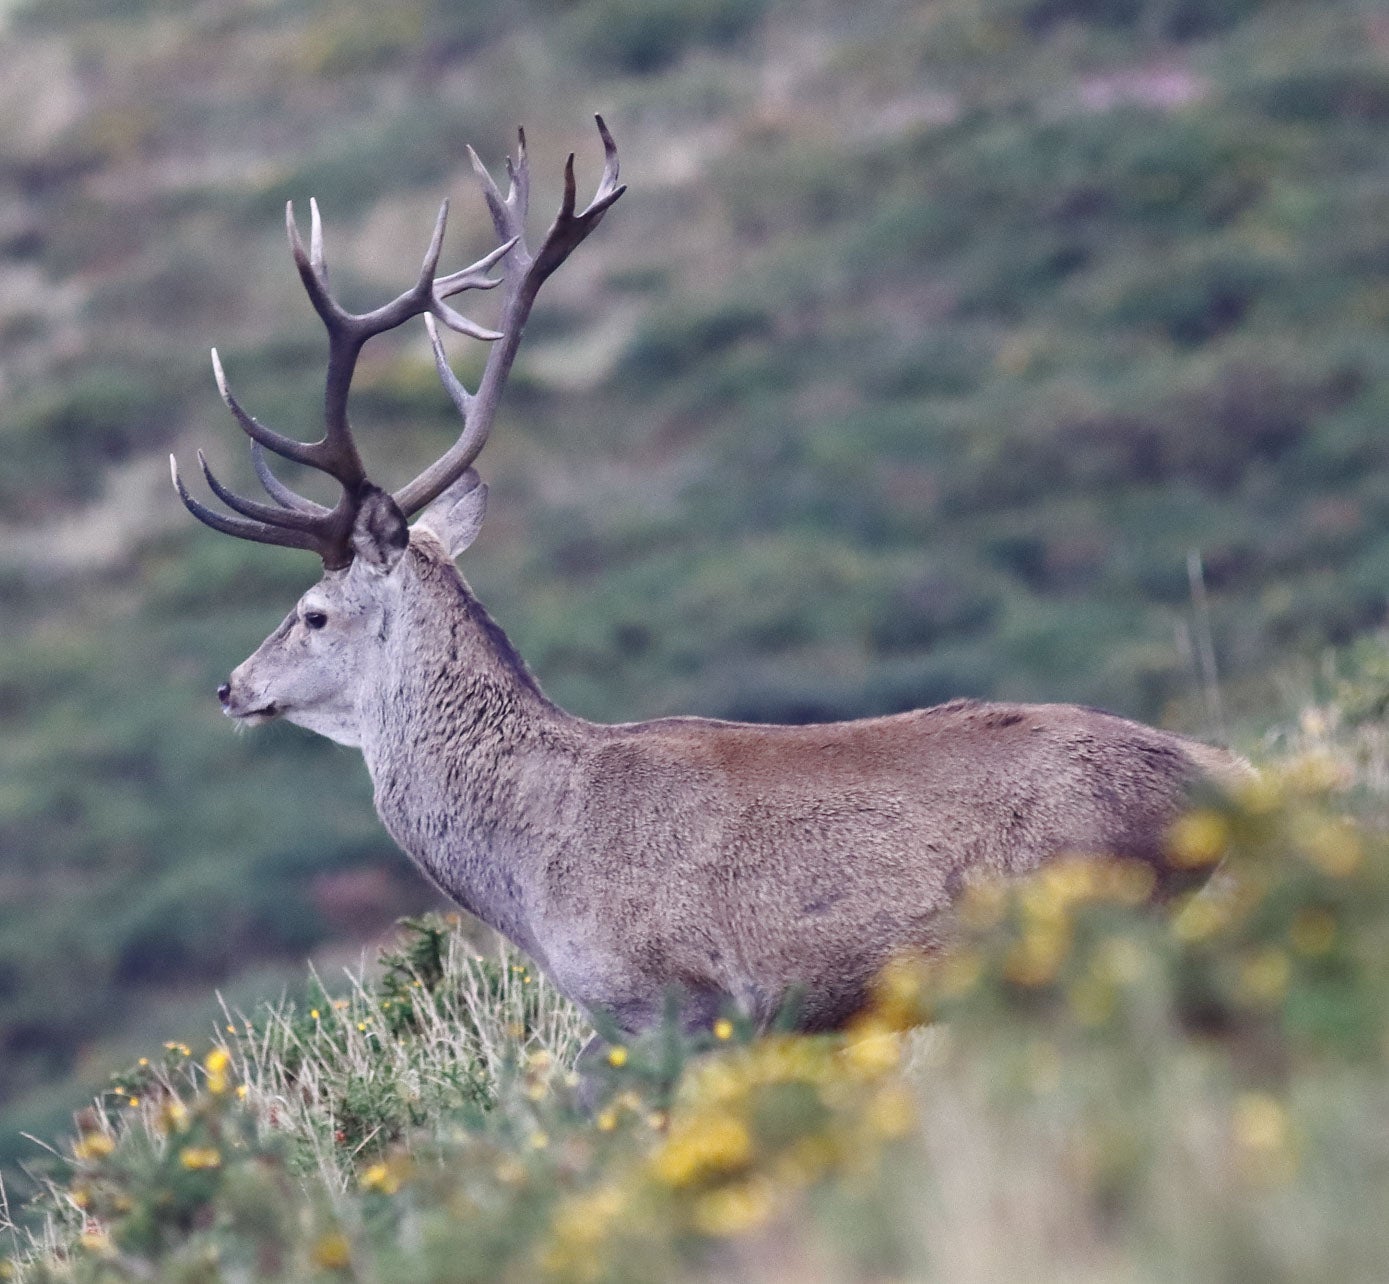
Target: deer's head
[(311, 668)]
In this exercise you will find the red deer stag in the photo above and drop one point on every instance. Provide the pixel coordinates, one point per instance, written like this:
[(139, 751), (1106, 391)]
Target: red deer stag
[(730, 863)]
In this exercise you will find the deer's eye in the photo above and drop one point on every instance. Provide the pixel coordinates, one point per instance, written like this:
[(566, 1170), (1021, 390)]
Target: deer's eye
[(315, 619)]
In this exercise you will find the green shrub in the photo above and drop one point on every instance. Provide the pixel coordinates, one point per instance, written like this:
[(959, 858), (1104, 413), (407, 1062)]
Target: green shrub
[(648, 36), (70, 436), (1171, 19), (682, 341)]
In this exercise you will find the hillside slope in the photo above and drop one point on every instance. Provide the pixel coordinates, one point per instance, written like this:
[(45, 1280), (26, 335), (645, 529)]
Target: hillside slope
[(927, 343)]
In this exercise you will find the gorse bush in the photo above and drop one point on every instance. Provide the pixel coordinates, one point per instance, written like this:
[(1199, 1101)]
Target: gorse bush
[(1140, 1081)]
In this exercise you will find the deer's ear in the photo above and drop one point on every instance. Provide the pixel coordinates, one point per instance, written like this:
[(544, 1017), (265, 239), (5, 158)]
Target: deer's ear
[(456, 516), (380, 534)]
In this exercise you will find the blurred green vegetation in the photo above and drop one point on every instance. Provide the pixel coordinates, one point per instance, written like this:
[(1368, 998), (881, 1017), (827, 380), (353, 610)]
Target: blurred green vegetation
[(927, 343)]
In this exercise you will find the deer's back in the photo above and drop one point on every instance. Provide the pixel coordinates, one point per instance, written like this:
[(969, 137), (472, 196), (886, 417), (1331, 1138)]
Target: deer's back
[(738, 859)]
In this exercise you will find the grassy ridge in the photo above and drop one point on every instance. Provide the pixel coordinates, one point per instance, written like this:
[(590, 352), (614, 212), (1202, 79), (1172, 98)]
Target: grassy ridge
[(927, 343), (1106, 1092)]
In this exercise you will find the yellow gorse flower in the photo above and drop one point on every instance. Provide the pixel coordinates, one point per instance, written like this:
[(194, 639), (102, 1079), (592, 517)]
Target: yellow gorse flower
[(1333, 847), (1199, 838), (332, 1252), (382, 1177), (1202, 919), (983, 904), (173, 1116), (898, 994), (199, 1157), (891, 1113), (581, 1221), (873, 1053), (1038, 956), (216, 1063), (734, 1210), (95, 1241), (703, 1147), (93, 1145), (1316, 773)]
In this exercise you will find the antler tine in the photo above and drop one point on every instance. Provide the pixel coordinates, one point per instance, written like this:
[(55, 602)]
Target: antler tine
[(320, 264), (313, 267), (453, 385), (298, 451), (569, 229), (297, 523), (474, 277), (524, 278), (242, 528), (566, 205), (286, 518), (335, 452), (277, 490), (470, 278), (611, 168), (418, 298), (504, 216), (518, 196)]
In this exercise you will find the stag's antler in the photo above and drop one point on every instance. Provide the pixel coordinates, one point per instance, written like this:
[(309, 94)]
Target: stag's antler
[(526, 273), (296, 522)]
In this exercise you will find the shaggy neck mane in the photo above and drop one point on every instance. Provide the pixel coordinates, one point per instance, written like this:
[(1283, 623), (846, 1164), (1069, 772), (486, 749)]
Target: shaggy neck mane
[(440, 583)]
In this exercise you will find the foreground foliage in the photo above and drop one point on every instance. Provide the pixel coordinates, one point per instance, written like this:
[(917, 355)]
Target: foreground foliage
[(1104, 1089)]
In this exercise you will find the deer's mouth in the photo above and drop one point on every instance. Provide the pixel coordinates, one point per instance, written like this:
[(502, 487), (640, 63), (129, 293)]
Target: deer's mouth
[(254, 717)]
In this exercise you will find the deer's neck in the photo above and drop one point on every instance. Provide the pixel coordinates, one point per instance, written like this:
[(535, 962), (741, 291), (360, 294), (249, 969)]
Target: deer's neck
[(473, 767)]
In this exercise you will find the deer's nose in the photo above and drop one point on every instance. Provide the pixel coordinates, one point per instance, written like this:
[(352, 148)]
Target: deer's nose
[(224, 693)]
